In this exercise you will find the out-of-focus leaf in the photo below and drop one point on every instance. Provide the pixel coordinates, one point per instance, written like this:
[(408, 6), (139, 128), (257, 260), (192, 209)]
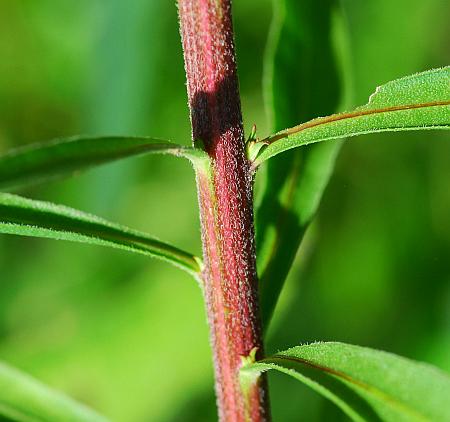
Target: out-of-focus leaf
[(367, 384), (420, 101), (24, 399), (301, 82), (27, 217), (62, 157)]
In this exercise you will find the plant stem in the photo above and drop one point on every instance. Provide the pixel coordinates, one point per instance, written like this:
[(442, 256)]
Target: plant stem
[(225, 192)]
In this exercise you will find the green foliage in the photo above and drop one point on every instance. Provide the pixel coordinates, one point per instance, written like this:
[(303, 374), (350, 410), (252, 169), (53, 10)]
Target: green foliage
[(298, 87), (62, 157), (420, 101), (27, 217), (394, 388), (22, 398), (294, 184)]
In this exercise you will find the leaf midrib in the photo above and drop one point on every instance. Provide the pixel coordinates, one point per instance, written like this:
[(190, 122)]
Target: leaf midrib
[(375, 391), (343, 116), (101, 230)]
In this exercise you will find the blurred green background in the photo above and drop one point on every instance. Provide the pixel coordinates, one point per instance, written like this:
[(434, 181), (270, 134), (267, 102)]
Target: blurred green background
[(128, 335)]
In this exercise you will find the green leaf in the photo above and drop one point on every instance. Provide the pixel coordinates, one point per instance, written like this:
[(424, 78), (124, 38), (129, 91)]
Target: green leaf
[(367, 384), (420, 101), (62, 157), (301, 81), (24, 399), (27, 217)]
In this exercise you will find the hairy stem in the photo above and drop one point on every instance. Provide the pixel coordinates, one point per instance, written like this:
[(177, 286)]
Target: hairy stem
[(226, 206)]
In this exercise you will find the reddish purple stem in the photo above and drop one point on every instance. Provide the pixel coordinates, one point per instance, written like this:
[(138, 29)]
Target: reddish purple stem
[(226, 204)]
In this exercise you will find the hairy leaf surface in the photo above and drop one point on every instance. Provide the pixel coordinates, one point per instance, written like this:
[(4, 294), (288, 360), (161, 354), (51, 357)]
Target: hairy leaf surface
[(420, 101), (23, 398), (367, 384), (301, 81), (62, 157), (28, 217)]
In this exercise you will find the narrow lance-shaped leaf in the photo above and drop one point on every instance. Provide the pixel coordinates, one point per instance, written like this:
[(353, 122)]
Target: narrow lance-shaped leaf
[(420, 101), (63, 157), (367, 384), (301, 81), (24, 399), (28, 217)]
